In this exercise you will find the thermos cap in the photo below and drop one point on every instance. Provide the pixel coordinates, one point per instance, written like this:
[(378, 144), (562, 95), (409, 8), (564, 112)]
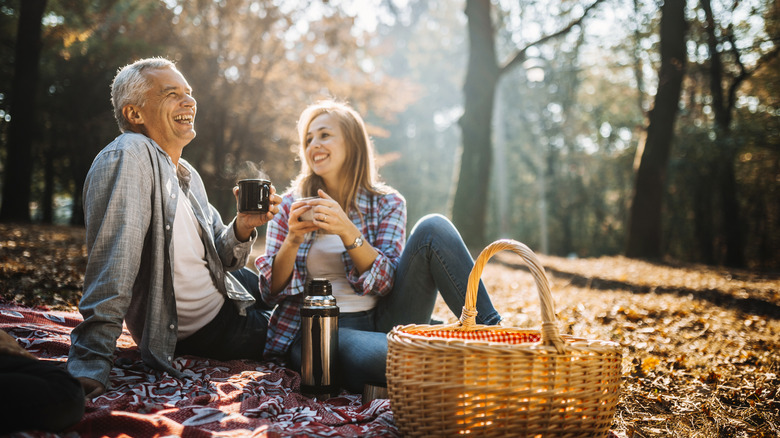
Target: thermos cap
[(320, 286), (319, 294)]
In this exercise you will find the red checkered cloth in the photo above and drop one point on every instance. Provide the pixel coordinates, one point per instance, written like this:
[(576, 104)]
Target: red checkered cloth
[(225, 399), (504, 337)]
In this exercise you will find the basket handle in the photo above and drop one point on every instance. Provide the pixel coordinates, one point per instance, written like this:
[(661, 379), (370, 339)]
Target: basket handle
[(550, 333)]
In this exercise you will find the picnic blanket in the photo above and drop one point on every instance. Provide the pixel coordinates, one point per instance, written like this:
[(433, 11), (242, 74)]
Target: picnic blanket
[(214, 399)]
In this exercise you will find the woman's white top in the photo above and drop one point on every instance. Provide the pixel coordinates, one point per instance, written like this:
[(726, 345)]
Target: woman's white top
[(324, 261)]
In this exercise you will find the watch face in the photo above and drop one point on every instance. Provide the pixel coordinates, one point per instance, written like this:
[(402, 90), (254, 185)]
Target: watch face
[(357, 243)]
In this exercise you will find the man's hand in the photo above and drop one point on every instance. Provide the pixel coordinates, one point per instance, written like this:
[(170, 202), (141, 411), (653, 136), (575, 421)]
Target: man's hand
[(246, 222), (92, 388), (8, 345)]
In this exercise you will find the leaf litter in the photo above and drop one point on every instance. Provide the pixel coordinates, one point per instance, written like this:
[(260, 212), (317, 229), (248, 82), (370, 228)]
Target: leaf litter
[(701, 344)]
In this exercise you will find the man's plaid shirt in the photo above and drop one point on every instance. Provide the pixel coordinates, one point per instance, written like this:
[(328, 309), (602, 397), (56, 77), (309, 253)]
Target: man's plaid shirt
[(383, 225)]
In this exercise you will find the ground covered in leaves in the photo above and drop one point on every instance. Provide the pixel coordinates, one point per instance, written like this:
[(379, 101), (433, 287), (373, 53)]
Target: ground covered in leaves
[(701, 344)]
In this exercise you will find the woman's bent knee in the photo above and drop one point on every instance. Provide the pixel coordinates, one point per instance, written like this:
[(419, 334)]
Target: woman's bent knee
[(434, 225)]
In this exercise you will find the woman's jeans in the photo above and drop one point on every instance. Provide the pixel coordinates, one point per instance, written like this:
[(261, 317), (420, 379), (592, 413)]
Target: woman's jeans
[(435, 260)]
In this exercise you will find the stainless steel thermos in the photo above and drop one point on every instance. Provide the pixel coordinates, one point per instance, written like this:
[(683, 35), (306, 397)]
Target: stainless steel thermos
[(320, 331)]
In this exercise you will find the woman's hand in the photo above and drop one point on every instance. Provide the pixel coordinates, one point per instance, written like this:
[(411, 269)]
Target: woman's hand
[(284, 261), (297, 226), (331, 218)]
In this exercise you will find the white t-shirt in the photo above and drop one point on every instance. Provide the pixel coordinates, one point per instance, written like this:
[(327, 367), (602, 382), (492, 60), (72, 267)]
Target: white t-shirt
[(198, 300), (324, 261)]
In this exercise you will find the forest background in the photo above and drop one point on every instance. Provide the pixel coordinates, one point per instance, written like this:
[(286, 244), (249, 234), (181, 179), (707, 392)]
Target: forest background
[(542, 121)]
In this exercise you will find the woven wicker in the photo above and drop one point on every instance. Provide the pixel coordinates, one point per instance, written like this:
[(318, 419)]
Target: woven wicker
[(491, 381)]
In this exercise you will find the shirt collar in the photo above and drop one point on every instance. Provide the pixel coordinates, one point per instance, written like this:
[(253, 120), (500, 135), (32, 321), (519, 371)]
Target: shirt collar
[(184, 175)]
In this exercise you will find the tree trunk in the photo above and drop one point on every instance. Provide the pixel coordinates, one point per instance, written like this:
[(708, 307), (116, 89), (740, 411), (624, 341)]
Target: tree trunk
[(502, 181), (47, 200), (79, 170), (645, 233), (471, 196), (723, 106), (482, 74), (18, 166), (702, 217), (77, 208), (732, 222), (637, 60)]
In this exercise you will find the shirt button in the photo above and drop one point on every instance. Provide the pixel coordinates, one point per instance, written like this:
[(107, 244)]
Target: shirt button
[(167, 226), (172, 326), (173, 195), (169, 358)]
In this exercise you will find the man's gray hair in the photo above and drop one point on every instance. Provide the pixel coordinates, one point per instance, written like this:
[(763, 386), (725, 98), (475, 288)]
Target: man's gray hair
[(130, 85)]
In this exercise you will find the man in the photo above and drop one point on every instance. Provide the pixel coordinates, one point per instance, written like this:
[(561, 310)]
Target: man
[(159, 254)]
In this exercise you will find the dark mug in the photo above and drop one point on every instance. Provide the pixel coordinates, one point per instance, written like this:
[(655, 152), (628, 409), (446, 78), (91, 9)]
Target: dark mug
[(254, 195)]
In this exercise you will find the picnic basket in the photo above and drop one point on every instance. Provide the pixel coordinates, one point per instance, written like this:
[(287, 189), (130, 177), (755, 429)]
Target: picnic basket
[(486, 381)]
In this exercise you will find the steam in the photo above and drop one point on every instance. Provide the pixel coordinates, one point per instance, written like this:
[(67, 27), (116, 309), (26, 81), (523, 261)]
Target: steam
[(250, 170)]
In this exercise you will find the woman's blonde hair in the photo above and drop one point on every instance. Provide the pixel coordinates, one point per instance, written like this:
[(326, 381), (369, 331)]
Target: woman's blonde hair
[(359, 161)]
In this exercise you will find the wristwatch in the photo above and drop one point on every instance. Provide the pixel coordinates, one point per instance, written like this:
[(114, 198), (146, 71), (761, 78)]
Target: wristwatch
[(356, 244)]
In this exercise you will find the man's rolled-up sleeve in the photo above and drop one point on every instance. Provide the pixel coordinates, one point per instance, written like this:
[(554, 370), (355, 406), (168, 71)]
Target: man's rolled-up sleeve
[(276, 231)]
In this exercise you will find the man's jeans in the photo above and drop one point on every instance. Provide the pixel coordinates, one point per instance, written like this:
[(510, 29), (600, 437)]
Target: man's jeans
[(230, 335), (435, 260)]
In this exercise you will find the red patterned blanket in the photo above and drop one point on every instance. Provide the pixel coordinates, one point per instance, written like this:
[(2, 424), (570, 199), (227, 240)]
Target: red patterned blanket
[(215, 399)]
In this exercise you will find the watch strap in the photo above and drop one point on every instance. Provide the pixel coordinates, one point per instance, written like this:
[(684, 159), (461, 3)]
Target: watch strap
[(357, 243)]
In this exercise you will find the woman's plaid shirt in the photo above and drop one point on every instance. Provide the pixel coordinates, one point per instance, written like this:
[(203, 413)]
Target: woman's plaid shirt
[(383, 226)]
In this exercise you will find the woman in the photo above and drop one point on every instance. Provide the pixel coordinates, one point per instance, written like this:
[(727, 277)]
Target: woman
[(351, 230)]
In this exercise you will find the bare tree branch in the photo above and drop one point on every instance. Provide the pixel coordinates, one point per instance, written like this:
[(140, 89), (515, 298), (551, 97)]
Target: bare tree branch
[(520, 56), (745, 73)]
